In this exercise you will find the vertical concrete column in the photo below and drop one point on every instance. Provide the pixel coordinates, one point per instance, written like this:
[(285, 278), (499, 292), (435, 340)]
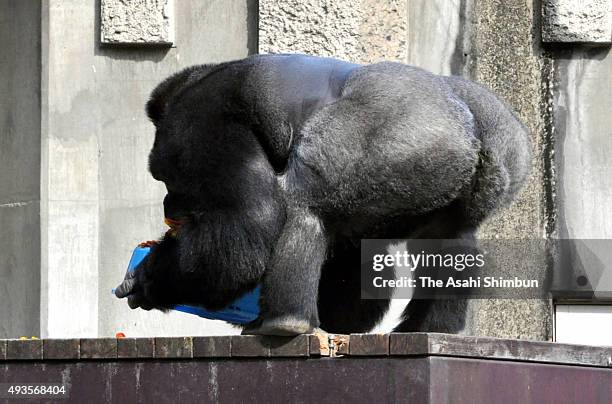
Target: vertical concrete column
[(72, 124), (505, 55), (438, 35), (583, 124), (19, 168)]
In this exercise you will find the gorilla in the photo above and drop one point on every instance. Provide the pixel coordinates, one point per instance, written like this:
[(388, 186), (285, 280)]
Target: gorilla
[(276, 166)]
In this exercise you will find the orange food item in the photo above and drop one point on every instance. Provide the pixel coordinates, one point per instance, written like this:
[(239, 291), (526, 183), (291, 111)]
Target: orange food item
[(149, 243)]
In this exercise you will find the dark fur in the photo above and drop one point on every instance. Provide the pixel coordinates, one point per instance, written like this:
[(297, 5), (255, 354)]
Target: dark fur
[(280, 164)]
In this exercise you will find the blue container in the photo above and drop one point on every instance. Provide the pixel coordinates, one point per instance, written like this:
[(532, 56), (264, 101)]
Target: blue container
[(242, 311)]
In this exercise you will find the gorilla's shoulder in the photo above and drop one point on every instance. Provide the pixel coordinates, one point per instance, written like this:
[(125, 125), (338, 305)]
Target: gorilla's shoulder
[(258, 69)]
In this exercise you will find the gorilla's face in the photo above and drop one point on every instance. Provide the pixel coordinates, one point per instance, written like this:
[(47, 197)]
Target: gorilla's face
[(156, 161), (163, 158), (165, 166)]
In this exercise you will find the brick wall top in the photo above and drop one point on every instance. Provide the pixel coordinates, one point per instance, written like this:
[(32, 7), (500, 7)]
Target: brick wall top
[(305, 346)]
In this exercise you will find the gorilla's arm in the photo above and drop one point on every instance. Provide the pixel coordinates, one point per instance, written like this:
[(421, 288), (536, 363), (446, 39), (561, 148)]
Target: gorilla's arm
[(150, 284), (183, 269), (291, 281), (283, 91)]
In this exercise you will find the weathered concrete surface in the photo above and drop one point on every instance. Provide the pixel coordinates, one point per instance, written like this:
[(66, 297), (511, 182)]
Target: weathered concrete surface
[(584, 21), (437, 31), (20, 270), (505, 56), (420, 32), (583, 131), (19, 167), (101, 200), (583, 127), (148, 22), (383, 30), (356, 30), (315, 27)]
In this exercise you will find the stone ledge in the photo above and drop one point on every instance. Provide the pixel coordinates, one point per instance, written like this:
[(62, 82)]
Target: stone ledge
[(433, 344), (136, 22), (61, 349), (572, 21), (98, 348), (24, 349), (212, 347), (369, 345), (235, 346), (306, 346), (173, 347), (129, 348)]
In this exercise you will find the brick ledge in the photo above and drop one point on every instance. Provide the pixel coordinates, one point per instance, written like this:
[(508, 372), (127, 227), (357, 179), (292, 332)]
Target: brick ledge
[(305, 346)]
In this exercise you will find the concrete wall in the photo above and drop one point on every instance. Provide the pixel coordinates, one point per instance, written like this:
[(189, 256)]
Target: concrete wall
[(583, 133), (19, 167), (356, 30), (583, 129), (100, 199)]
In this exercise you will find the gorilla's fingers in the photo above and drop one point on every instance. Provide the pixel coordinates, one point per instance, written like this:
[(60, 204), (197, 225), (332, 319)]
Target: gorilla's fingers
[(130, 274), (126, 288), (136, 301)]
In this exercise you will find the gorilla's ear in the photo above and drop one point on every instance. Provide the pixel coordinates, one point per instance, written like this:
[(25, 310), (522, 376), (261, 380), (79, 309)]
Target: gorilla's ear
[(167, 89)]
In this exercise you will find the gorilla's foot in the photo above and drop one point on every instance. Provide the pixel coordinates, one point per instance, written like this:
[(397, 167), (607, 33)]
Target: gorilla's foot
[(285, 326)]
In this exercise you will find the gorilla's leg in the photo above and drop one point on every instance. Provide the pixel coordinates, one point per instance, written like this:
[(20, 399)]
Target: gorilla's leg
[(342, 310), (428, 313), (289, 290)]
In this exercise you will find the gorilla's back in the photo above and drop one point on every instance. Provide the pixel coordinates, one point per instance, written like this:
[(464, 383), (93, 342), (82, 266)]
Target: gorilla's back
[(397, 141), (284, 91)]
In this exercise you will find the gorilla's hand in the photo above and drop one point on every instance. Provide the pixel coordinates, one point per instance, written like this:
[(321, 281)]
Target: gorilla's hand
[(131, 289)]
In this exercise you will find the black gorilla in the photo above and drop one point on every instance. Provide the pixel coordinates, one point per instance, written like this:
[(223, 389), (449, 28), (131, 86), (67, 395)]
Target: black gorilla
[(277, 166)]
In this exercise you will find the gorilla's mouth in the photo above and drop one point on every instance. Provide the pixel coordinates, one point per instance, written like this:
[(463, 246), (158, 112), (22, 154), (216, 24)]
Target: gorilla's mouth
[(174, 225)]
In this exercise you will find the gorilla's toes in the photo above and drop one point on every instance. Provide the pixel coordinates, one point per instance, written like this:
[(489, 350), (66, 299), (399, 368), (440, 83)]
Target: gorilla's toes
[(285, 326)]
